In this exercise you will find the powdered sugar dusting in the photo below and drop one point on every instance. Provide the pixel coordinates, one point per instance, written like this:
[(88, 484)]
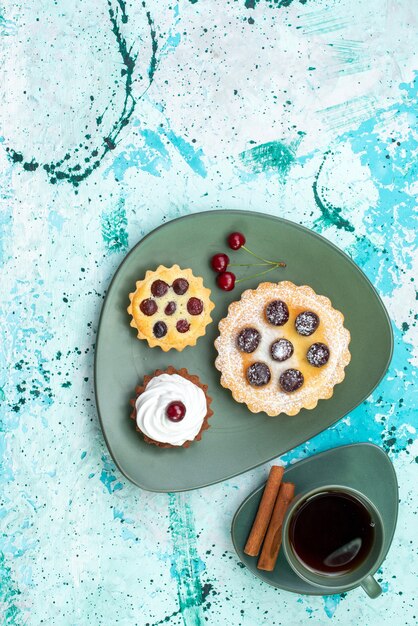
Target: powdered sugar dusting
[(281, 350), (248, 340), (306, 323), (249, 311), (318, 354)]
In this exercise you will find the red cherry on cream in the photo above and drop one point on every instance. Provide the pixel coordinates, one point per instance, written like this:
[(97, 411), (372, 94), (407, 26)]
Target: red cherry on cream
[(236, 240), (220, 262), (226, 281), (175, 411)]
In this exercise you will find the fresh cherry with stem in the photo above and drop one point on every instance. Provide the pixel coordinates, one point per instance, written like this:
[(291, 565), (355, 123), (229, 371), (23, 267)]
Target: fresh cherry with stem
[(226, 281), (220, 262), (237, 240)]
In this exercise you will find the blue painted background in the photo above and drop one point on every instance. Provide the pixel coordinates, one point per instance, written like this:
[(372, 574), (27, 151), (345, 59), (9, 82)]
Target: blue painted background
[(116, 117)]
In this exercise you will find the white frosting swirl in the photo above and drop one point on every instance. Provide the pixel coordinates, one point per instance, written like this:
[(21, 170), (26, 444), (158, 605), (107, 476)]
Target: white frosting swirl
[(151, 407)]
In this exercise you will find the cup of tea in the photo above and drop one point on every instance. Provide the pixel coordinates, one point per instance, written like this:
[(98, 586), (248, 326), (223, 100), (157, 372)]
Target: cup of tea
[(333, 537)]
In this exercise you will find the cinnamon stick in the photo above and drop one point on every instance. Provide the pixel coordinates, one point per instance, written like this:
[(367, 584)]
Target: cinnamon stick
[(265, 509), (273, 540)]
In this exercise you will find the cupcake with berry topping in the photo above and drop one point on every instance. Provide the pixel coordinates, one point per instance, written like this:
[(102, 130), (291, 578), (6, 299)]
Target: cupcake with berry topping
[(171, 408), (170, 308)]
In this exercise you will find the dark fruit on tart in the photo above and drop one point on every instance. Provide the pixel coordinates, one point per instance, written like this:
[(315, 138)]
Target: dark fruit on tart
[(306, 323), (165, 314), (160, 329), (258, 374), (180, 286), (236, 241), (277, 312), (318, 354), (226, 281), (159, 288), (194, 306), (182, 326), (170, 308), (248, 340), (220, 262), (175, 411), (291, 380), (148, 306), (281, 350)]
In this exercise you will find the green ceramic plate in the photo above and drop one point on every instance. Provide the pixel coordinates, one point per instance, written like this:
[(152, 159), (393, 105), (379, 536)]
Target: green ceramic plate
[(237, 440), (362, 466)]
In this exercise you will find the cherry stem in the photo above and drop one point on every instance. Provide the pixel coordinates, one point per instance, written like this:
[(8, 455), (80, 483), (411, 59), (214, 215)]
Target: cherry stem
[(276, 263), (255, 275), (248, 264)]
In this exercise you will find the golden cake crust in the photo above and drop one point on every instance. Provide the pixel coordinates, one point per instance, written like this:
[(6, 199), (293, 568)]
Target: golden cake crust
[(194, 379), (144, 324), (249, 311)]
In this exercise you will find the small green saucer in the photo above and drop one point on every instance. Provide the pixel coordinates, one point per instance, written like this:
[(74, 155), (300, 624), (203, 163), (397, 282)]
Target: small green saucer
[(362, 466)]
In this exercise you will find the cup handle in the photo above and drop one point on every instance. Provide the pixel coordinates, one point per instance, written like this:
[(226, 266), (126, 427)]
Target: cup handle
[(371, 586)]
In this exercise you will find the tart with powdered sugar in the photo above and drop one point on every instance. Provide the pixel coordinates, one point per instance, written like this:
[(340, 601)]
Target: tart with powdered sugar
[(170, 308), (171, 408), (281, 348)]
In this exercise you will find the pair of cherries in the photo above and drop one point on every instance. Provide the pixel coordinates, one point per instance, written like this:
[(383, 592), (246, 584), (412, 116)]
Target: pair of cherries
[(219, 262)]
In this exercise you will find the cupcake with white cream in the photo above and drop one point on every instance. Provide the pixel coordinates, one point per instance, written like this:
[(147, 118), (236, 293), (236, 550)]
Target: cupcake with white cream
[(171, 409)]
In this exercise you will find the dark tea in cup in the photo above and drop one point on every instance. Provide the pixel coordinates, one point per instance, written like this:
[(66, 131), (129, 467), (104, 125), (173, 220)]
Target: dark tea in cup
[(332, 533)]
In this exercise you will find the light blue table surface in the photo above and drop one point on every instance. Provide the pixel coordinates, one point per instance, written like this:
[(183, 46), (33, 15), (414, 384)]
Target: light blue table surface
[(116, 117)]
